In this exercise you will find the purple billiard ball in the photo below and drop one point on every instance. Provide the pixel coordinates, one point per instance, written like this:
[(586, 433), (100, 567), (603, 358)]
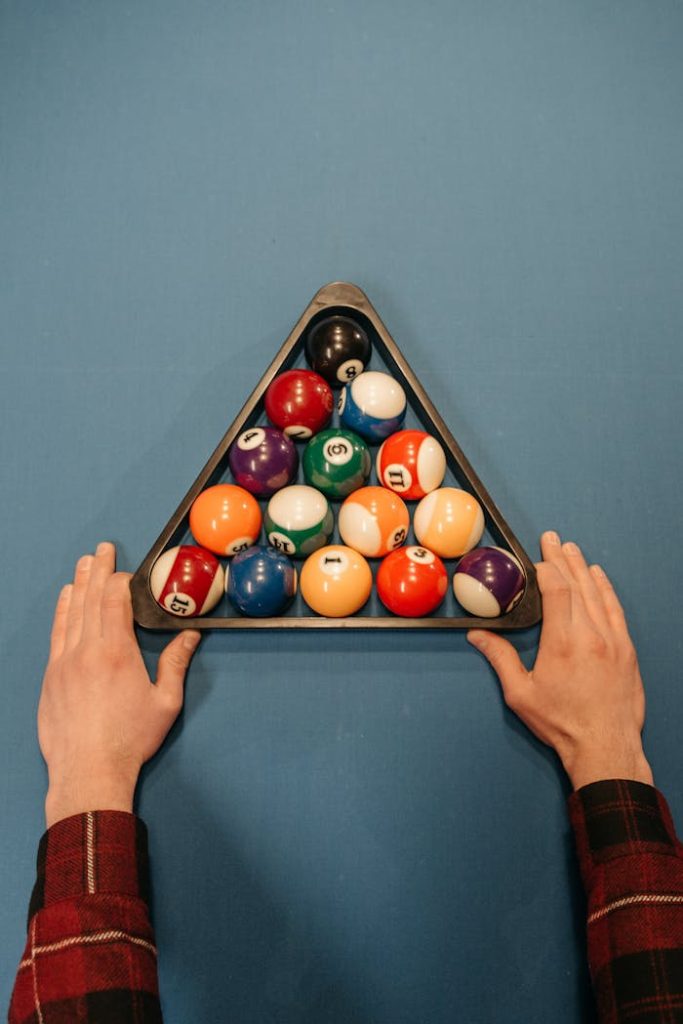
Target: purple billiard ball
[(262, 460), (488, 582)]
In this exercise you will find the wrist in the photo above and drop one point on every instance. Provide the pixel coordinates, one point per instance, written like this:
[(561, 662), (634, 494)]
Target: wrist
[(77, 794), (587, 764)]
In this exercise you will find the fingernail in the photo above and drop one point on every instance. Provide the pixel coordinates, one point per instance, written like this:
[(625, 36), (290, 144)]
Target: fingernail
[(552, 537), (598, 571), (103, 547), (84, 563), (191, 639), (571, 548)]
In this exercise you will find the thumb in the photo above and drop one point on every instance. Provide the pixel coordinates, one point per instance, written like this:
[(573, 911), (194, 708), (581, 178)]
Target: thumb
[(173, 665), (503, 659)]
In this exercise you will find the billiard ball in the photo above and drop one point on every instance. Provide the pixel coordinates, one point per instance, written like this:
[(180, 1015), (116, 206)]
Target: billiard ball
[(298, 520), (225, 519), (488, 582), (335, 581), (448, 522), (374, 521), (263, 459), (187, 580), (261, 581), (338, 349), (412, 463), (412, 581), (373, 405), (299, 402), (336, 462)]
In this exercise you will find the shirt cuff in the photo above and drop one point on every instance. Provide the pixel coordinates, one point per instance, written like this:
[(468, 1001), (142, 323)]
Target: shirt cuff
[(94, 852), (617, 818)]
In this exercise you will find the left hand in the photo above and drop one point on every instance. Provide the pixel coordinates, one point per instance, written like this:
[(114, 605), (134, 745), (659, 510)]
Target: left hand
[(99, 717)]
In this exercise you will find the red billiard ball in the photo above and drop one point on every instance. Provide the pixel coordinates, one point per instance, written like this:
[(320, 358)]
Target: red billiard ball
[(412, 582), (412, 463), (187, 580), (299, 402)]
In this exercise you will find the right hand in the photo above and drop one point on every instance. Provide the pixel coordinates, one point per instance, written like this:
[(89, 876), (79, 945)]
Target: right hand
[(584, 696)]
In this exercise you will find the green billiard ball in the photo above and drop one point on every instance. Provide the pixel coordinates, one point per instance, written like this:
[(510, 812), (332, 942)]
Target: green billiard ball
[(298, 520), (337, 462)]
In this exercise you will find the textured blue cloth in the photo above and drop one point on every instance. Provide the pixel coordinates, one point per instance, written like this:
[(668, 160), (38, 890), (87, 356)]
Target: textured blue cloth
[(504, 180)]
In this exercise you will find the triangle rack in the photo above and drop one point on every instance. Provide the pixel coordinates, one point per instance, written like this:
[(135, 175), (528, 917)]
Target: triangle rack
[(338, 298)]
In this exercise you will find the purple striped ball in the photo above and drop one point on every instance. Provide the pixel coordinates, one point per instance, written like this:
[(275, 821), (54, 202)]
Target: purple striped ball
[(488, 582)]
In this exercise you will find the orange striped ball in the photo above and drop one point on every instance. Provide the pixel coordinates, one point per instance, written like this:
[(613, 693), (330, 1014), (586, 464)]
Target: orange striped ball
[(374, 521), (449, 522)]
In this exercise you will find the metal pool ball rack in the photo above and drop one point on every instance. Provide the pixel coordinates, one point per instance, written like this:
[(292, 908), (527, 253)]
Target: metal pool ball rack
[(342, 299)]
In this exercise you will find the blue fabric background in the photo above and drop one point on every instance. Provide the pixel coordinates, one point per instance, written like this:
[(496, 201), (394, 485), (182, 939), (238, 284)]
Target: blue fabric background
[(343, 829)]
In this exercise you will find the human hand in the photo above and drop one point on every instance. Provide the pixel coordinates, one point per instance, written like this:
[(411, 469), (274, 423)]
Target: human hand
[(584, 696), (99, 716)]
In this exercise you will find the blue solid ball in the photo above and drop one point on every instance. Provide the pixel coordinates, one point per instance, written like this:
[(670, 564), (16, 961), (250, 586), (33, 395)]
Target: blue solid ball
[(261, 581), (373, 405)]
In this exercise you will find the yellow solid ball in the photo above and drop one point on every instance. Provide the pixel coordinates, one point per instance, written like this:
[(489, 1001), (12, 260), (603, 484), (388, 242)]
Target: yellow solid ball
[(335, 581)]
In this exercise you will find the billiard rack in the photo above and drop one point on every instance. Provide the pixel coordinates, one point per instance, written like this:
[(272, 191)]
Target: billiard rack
[(337, 298)]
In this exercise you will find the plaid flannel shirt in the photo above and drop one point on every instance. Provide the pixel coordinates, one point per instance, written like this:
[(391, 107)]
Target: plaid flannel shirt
[(91, 957)]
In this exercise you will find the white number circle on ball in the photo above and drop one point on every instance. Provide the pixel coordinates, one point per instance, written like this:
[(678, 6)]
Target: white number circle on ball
[(281, 542), (298, 431), (397, 477), (251, 439), (179, 603), (239, 544), (397, 537), (420, 555), (333, 563), (350, 369), (337, 451)]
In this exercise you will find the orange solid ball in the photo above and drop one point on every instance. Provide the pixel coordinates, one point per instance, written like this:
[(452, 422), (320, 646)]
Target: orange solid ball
[(335, 581), (225, 519), (374, 521)]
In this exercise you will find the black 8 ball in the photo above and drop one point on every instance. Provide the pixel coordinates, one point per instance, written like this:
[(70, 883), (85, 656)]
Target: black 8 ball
[(338, 349)]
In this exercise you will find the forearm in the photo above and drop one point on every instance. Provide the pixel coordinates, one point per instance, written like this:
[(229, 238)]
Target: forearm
[(90, 940), (632, 868)]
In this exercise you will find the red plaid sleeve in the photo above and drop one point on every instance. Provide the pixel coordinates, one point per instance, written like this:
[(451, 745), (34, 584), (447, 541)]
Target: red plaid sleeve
[(632, 867), (90, 954)]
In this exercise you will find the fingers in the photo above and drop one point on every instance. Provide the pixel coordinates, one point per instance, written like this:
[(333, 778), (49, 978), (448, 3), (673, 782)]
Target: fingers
[(551, 549), (554, 554), (58, 634), (588, 590), (102, 569), (557, 601), (505, 662), (173, 665), (74, 618), (592, 599), (117, 609), (612, 605)]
